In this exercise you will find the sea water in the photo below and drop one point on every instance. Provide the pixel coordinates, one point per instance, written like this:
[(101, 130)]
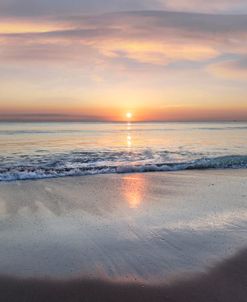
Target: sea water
[(45, 150)]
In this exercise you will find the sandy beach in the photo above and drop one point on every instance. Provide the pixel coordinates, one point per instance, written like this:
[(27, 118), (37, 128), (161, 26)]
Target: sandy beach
[(111, 231)]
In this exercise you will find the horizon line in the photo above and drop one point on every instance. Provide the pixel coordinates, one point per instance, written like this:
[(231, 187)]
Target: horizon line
[(126, 121)]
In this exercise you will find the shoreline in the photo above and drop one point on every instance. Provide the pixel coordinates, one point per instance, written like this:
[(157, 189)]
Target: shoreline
[(186, 170)]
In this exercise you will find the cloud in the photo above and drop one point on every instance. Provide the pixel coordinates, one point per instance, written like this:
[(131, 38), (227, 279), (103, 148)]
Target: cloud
[(235, 69), (206, 6), (148, 37), (64, 7)]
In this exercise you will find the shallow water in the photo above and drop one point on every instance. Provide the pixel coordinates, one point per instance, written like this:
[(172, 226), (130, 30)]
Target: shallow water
[(41, 150)]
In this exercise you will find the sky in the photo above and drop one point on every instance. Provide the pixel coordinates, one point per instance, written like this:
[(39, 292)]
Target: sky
[(161, 60)]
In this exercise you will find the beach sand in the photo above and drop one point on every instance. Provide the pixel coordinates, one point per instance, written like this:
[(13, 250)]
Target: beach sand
[(179, 236)]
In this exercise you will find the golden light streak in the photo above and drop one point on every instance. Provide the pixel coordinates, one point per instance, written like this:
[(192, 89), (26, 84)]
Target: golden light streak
[(25, 26), (129, 140), (134, 188)]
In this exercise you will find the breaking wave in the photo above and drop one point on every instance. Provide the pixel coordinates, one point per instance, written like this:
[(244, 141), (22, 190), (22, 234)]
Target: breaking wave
[(61, 168)]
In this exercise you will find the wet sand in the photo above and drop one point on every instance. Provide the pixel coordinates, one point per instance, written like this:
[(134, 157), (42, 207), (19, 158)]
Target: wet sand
[(227, 282), (151, 236)]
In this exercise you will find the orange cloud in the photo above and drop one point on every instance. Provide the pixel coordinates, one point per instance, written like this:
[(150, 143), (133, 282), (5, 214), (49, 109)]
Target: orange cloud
[(15, 26), (156, 52), (154, 38), (230, 69)]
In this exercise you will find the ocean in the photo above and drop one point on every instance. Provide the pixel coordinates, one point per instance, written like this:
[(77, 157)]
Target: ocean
[(48, 150)]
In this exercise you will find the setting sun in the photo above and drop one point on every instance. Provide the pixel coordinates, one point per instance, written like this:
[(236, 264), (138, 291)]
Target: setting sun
[(129, 115)]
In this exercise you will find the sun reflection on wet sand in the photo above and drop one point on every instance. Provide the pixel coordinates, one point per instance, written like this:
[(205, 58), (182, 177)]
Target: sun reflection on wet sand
[(133, 189)]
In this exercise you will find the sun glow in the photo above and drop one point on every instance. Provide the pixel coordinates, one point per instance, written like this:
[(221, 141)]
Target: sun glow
[(129, 115)]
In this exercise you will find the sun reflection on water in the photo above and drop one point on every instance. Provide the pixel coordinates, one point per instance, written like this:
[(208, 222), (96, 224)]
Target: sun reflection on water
[(129, 137), (129, 140)]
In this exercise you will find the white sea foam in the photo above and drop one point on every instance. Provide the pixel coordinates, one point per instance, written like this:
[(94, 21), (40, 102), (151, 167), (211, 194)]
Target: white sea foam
[(62, 169)]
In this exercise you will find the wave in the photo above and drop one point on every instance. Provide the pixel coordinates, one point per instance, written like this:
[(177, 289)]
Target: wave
[(28, 172)]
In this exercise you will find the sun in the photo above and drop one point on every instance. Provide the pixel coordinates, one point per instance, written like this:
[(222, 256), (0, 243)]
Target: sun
[(129, 115)]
